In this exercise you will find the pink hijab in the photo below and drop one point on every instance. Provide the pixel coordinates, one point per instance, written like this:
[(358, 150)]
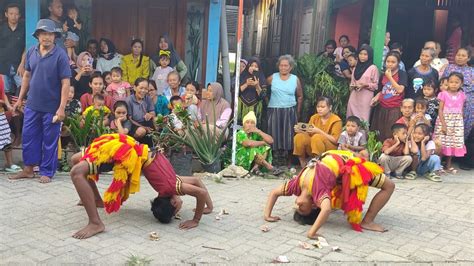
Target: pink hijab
[(217, 105), (79, 60)]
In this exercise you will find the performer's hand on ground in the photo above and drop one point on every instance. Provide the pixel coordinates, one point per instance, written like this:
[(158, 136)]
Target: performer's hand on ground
[(188, 224), (313, 236), (272, 218)]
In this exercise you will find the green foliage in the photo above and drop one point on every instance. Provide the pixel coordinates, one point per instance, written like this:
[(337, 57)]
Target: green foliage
[(316, 74), (194, 39), (85, 129), (135, 260), (64, 164), (202, 138), (374, 147), (164, 124)]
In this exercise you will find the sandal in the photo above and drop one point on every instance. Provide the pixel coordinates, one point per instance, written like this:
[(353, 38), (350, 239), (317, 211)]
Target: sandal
[(277, 172), (452, 170), (433, 176), (411, 175), (13, 168), (257, 172)]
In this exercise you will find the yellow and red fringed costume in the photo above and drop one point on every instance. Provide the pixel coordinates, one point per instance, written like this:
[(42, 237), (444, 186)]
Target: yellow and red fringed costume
[(128, 156), (356, 174)]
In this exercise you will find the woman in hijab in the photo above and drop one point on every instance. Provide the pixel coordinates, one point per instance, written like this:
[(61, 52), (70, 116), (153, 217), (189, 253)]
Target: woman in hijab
[(82, 74), (252, 90), (215, 110), (108, 56), (175, 61), (364, 82)]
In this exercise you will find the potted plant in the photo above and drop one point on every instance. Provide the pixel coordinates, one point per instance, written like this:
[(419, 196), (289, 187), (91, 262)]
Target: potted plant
[(204, 140), (179, 154), (85, 129)]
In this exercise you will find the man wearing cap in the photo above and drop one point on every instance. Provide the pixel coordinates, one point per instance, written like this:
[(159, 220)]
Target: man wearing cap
[(46, 81)]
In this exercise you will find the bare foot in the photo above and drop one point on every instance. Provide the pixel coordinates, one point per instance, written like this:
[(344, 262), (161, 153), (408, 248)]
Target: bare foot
[(373, 227), (98, 203), (22, 175), (44, 179), (89, 230)]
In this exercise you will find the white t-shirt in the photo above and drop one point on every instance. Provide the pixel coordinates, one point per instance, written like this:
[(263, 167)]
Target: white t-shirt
[(430, 147)]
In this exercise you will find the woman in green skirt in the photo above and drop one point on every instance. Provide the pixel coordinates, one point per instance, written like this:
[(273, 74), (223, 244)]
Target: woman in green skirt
[(253, 147)]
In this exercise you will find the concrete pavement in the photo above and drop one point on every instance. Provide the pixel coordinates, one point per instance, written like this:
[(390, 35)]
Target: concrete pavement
[(428, 223)]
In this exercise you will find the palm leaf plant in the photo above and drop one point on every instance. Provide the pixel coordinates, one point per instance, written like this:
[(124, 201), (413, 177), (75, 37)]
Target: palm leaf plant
[(374, 147), (85, 129), (316, 74), (203, 139)]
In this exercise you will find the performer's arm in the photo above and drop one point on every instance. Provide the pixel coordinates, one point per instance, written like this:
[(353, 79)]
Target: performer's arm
[(200, 195), (272, 198), (322, 217)]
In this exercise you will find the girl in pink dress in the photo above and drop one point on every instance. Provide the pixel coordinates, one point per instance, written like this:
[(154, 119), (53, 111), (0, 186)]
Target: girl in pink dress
[(450, 125), (364, 82)]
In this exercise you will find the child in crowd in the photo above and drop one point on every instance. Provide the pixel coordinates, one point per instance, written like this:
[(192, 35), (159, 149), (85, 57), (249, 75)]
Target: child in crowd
[(425, 161), (323, 184), (395, 156), (73, 106), (407, 109), (190, 100), (398, 47), (420, 116), (119, 122), (450, 125), (160, 76), (5, 132), (105, 154), (352, 61), (107, 76), (97, 108), (430, 90), (72, 26), (178, 125), (443, 84), (118, 89), (352, 139), (159, 100)]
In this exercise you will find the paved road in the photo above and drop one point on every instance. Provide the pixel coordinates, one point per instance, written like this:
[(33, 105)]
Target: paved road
[(429, 223)]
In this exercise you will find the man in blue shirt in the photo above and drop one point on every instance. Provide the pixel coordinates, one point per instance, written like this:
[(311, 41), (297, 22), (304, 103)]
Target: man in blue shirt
[(46, 80)]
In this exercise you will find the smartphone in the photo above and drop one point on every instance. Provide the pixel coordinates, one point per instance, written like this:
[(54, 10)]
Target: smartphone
[(256, 74), (90, 61)]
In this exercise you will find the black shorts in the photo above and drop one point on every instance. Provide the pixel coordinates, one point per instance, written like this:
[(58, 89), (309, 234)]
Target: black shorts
[(103, 168), (144, 123)]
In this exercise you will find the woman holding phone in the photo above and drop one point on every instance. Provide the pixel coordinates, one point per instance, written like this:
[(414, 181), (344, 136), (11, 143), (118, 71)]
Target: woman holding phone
[(252, 90), (82, 74), (319, 135)]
